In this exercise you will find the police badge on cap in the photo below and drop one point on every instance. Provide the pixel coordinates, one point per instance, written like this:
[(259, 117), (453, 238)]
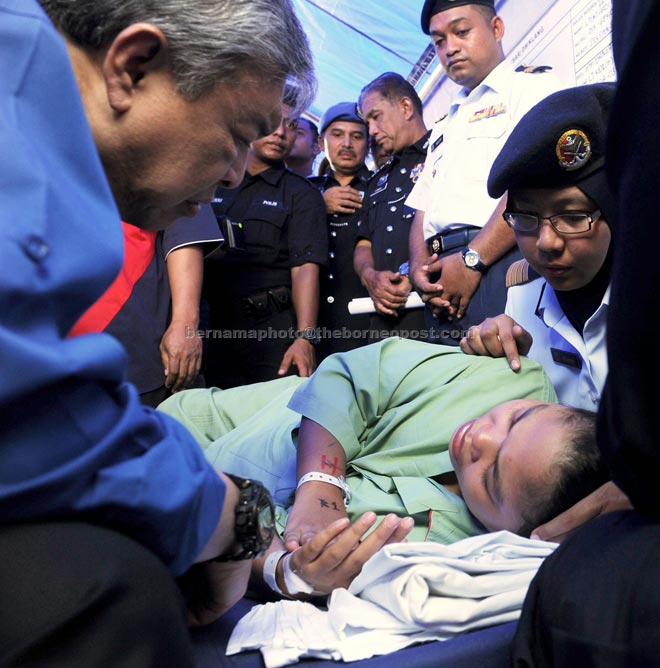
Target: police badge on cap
[(573, 149)]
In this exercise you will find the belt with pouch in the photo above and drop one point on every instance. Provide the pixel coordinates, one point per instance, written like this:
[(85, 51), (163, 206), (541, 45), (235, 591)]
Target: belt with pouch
[(457, 237), (266, 302)]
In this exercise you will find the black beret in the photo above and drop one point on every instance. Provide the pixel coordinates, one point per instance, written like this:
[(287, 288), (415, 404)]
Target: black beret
[(432, 7), (342, 111), (559, 143)]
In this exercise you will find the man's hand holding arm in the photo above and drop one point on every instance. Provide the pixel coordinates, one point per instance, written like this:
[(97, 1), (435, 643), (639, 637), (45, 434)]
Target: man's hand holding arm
[(211, 588)]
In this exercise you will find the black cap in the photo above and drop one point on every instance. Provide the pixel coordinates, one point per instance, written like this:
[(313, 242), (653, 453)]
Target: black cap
[(559, 143), (432, 7), (342, 111)]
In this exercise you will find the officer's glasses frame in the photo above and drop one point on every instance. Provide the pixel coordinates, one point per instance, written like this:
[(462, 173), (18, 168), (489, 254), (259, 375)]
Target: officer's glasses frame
[(570, 222)]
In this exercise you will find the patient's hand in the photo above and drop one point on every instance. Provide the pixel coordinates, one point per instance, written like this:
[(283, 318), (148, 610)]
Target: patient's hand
[(605, 499), (317, 506), (335, 556)]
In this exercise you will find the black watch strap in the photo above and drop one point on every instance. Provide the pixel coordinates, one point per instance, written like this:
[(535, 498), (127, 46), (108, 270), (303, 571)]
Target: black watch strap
[(254, 523), (309, 334)]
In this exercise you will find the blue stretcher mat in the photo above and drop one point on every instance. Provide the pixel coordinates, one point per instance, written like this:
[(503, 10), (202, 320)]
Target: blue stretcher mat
[(487, 648)]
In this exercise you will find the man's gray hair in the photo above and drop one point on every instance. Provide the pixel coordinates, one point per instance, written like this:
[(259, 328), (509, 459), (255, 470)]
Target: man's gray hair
[(210, 41)]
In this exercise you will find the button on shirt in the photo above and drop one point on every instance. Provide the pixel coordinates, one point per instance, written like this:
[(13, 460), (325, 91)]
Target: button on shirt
[(463, 146), (386, 218), (535, 307)]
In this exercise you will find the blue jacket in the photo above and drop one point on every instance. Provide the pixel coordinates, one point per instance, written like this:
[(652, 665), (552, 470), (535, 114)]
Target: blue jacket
[(75, 441)]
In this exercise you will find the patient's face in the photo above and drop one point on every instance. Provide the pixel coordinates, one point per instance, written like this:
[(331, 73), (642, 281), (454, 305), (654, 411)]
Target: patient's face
[(494, 455)]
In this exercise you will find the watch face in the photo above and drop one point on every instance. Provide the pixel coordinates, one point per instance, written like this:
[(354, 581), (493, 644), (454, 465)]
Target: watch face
[(266, 521), (471, 259)]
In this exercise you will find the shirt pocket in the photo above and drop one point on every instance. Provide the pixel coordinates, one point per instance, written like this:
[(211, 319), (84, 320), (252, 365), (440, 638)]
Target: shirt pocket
[(484, 139), (263, 226)]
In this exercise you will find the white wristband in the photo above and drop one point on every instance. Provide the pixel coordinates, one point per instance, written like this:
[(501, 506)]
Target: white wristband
[(270, 570), (330, 479), (294, 583)]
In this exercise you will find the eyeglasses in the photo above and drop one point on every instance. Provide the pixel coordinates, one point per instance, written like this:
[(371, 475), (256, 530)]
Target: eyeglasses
[(573, 222)]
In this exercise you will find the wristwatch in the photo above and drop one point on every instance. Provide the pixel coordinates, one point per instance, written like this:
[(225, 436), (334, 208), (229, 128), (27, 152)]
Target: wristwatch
[(310, 334), (473, 261), (254, 525)]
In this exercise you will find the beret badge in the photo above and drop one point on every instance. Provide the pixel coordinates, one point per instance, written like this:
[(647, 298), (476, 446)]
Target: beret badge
[(573, 150)]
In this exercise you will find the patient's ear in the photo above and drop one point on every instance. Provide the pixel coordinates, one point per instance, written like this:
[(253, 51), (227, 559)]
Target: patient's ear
[(135, 53)]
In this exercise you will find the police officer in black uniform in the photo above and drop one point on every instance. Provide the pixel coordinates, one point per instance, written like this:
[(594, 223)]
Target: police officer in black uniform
[(343, 138), (393, 111), (262, 293)]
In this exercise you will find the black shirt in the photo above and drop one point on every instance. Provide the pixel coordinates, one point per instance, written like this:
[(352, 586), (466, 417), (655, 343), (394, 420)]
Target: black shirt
[(339, 282), (283, 222), (386, 219)]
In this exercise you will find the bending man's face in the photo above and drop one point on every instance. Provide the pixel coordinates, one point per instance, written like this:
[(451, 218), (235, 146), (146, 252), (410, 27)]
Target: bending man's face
[(177, 151), (496, 456)]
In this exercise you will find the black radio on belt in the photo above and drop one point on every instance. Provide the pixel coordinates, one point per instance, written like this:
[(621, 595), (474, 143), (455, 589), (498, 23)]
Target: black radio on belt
[(232, 231)]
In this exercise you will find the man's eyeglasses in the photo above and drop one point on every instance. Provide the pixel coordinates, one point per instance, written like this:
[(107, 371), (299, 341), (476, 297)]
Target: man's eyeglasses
[(574, 222)]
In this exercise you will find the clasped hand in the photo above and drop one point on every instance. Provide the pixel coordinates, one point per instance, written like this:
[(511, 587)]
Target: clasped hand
[(328, 553)]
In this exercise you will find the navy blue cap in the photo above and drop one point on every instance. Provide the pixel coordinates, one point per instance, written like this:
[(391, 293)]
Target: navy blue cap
[(342, 111), (559, 143), (433, 7)]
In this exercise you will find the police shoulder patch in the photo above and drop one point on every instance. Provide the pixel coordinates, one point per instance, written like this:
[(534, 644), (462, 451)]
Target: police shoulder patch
[(520, 273)]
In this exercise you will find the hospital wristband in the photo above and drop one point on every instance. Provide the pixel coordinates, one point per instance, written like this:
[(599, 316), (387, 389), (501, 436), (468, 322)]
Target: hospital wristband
[(270, 570), (330, 479)]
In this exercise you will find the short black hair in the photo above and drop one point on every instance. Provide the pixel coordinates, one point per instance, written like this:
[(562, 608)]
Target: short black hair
[(392, 87), (580, 470)]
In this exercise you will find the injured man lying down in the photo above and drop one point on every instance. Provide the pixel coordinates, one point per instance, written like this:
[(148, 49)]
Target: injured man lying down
[(395, 440)]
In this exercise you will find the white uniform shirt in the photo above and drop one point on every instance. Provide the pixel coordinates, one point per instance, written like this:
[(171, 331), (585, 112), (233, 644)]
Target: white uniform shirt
[(534, 306), (463, 146)]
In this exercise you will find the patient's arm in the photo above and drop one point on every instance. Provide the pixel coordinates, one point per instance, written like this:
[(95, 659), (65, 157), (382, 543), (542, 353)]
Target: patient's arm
[(318, 504), (336, 555), (604, 500)]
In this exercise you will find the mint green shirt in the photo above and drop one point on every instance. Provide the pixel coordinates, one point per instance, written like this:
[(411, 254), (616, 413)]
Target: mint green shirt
[(392, 405)]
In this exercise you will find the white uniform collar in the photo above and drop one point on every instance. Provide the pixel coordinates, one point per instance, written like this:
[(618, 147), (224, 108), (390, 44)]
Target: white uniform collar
[(550, 312)]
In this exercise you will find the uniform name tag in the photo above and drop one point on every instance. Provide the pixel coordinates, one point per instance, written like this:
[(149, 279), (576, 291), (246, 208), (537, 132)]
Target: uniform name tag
[(437, 142), (567, 359)]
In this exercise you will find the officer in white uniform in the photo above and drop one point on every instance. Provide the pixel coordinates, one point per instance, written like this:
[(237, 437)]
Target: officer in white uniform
[(451, 198), (562, 212)]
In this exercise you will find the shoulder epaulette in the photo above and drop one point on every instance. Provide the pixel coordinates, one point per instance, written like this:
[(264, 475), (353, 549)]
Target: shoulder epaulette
[(533, 69), (520, 273)]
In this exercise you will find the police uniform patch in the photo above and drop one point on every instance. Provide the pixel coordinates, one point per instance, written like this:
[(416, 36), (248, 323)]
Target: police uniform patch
[(416, 172), (573, 149)]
